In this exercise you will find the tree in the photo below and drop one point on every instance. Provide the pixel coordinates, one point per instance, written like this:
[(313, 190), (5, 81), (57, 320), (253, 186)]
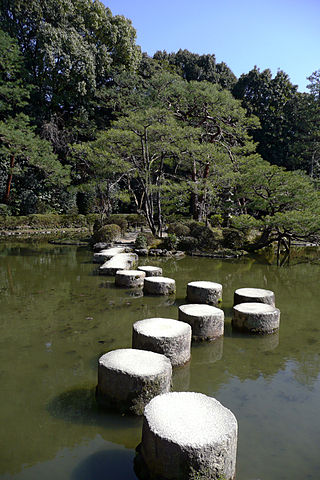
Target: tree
[(71, 51), (270, 99), (285, 205), (192, 66), (22, 152)]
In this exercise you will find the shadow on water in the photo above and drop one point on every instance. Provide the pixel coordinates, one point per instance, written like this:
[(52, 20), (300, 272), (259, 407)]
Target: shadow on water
[(79, 406), (106, 465)]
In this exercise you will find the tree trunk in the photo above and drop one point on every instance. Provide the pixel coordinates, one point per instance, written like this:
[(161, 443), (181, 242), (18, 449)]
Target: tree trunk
[(9, 180)]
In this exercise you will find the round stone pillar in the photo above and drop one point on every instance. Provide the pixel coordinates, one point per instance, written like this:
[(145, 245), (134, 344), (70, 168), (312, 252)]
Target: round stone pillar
[(159, 286), (185, 434), (204, 292), (206, 321), (258, 318), (256, 295), (129, 278), (163, 335), (128, 379)]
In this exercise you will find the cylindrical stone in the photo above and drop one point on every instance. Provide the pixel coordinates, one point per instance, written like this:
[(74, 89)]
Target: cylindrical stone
[(163, 335), (128, 379), (204, 292), (129, 278), (151, 271), (206, 321), (159, 286), (186, 434), (256, 295), (256, 318)]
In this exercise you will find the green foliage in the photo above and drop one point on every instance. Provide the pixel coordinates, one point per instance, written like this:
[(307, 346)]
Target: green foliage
[(107, 233), (179, 229), (118, 220), (170, 242), (188, 244), (141, 241)]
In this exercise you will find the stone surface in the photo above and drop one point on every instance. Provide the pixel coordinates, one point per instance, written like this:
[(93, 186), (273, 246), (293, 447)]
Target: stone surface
[(256, 295), (184, 431), (206, 321), (159, 286), (258, 318), (204, 292), (121, 261), (128, 379), (106, 254), (129, 278), (151, 271), (163, 335)]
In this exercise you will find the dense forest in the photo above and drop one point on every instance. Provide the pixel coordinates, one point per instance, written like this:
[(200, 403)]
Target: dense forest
[(90, 124)]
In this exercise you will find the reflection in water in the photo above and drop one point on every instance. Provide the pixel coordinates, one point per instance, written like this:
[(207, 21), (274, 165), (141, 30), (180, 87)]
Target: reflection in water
[(56, 322)]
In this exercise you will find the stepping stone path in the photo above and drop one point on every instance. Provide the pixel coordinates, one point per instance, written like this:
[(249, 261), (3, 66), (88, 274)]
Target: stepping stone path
[(128, 379), (159, 286), (163, 335), (185, 430), (204, 292), (206, 321), (106, 254), (257, 295), (151, 271), (258, 318), (129, 278), (121, 261)]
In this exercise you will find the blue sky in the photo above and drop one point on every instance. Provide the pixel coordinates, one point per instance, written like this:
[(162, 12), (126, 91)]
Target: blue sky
[(271, 34)]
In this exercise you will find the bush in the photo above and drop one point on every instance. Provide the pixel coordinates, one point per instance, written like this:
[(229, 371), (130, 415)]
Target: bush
[(107, 233), (233, 238), (118, 220), (141, 241), (5, 210), (188, 244), (216, 220), (44, 220), (170, 242), (136, 220), (179, 229)]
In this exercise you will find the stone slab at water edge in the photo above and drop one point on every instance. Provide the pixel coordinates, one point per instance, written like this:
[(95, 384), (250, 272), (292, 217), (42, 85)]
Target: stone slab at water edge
[(128, 379), (159, 286), (106, 254), (185, 433), (204, 292), (129, 278), (257, 295), (206, 321), (151, 271), (121, 261), (163, 335), (257, 318)]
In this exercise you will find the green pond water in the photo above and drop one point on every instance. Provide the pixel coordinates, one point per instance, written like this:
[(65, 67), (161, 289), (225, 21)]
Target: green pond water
[(58, 316)]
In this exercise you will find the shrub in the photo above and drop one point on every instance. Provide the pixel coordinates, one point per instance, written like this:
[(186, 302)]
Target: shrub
[(179, 229), (5, 209), (44, 220), (107, 233), (188, 244), (118, 220), (141, 241), (216, 220), (170, 242), (233, 238), (136, 220)]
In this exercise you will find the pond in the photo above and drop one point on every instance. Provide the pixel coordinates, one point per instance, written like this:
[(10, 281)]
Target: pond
[(58, 316)]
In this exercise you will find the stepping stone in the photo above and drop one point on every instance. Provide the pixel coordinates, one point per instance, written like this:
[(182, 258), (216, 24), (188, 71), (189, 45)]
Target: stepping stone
[(163, 335), (121, 261), (128, 379), (206, 321), (159, 286), (184, 431), (204, 292), (256, 318), (256, 295), (151, 271), (129, 278), (106, 254)]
